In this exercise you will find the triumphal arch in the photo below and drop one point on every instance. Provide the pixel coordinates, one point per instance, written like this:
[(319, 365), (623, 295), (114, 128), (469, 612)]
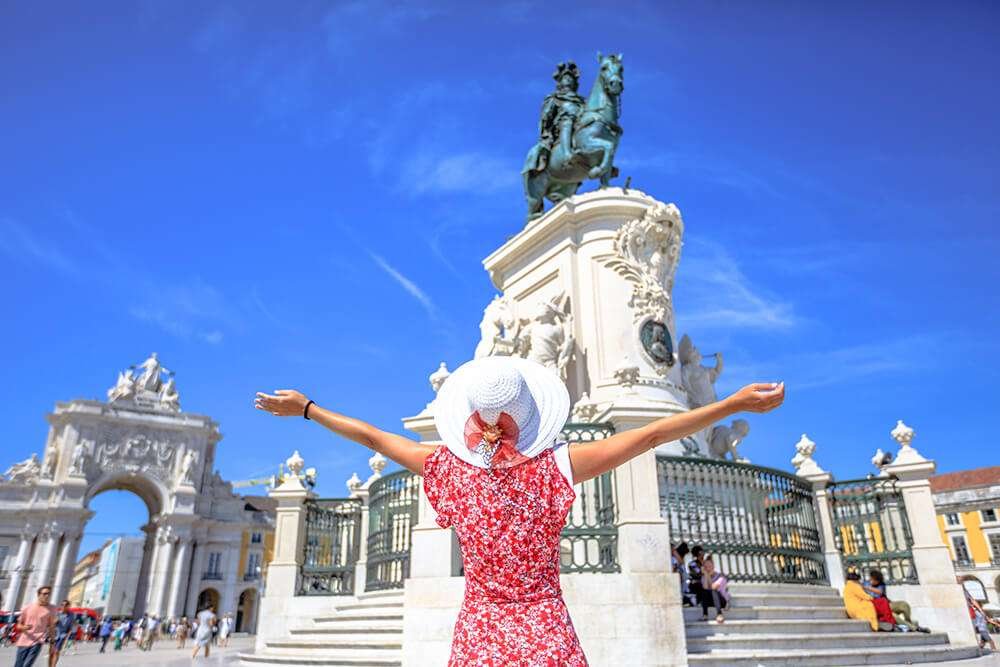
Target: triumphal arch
[(138, 440)]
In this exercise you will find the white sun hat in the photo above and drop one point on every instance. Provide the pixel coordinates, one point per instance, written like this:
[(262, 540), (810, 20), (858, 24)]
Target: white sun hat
[(531, 394)]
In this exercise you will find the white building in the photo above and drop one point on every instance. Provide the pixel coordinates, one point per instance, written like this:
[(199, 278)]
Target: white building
[(112, 589)]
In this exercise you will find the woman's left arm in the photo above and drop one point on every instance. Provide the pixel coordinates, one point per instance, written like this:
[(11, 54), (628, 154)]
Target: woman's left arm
[(595, 458)]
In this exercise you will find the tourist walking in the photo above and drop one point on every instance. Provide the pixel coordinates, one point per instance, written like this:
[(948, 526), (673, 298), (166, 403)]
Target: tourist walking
[(980, 619), (203, 636), (105, 632), (694, 586), (182, 631), (225, 627), (120, 633), (65, 626), (35, 626), (506, 486)]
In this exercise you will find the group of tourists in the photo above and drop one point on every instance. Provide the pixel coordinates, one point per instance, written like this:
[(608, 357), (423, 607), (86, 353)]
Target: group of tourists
[(702, 582), (868, 601), (39, 623)]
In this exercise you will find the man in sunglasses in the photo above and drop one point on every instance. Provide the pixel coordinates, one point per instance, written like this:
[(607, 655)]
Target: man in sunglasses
[(35, 624)]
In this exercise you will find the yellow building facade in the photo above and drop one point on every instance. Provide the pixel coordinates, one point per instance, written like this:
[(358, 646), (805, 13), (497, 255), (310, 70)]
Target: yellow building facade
[(968, 515)]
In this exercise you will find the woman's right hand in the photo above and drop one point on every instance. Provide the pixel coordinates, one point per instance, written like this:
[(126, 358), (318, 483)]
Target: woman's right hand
[(284, 403)]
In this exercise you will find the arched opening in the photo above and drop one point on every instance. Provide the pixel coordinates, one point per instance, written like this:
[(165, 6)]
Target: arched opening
[(208, 598), (246, 611), (996, 585), (975, 588), (112, 569)]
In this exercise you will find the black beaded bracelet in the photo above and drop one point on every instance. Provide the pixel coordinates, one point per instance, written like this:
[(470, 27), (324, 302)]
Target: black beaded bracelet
[(305, 413)]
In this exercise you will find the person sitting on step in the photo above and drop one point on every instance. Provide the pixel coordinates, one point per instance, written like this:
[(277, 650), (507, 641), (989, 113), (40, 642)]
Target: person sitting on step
[(714, 590)]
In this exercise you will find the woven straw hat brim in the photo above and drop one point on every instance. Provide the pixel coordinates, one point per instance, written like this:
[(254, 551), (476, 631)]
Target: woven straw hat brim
[(452, 407)]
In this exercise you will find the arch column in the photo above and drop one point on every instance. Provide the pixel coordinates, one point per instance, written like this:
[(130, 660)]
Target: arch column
[(179, 578), (64, 570), (17, 577), (165, 540), (49, 540), (142, 585), (194, 579)]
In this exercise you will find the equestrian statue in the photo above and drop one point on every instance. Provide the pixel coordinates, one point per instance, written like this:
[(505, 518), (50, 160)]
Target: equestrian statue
[(577, 137)]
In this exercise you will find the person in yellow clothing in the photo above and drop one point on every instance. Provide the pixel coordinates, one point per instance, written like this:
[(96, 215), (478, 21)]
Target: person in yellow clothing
[(857, 602)]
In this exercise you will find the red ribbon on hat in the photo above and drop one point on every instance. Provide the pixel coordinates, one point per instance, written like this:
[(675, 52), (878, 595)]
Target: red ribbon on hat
[(504, 434)]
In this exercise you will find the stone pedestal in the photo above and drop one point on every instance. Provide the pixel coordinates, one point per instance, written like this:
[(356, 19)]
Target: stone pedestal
[(611, 255)]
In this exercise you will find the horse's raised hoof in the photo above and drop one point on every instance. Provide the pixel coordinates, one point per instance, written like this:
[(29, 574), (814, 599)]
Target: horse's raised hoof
[(595, 172)]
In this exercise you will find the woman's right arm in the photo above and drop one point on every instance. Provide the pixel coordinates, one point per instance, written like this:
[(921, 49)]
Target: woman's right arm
[(407, 453)]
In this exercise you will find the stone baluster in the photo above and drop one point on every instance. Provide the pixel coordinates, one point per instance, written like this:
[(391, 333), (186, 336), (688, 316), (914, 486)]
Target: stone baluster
[(938, 600)]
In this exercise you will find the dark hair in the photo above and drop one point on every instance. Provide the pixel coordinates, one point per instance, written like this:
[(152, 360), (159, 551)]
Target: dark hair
[(682, 549), (65, 603), (44, 588), (877, 576), (696, 550), (852, 575)]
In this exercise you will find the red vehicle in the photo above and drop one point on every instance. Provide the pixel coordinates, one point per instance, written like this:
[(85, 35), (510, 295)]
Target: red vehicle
[(84, 616)]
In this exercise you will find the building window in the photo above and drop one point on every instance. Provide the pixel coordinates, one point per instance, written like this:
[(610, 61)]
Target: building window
[(255, 538), (989, 516), (995, 547), (952, 519), (253, 567), (214, 569), (961, 549)]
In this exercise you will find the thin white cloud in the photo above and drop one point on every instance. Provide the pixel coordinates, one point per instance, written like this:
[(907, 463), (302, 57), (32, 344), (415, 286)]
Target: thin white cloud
[(430, 172), (194, 310), (20, 244), (408, 285), (716, 293), (872, 360)]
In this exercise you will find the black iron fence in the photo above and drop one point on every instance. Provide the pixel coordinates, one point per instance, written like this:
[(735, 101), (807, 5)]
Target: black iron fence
[(589, 541), (871, 530), (392, 513), (758, 523), (332, 543)]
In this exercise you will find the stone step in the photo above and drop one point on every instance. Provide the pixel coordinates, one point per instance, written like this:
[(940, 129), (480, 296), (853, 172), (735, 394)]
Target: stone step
[(329, 645), (770, 612), (375, 603), (358, 635), (255, 659), (372, 595), (785, 600), (359, 614), (806, 590), (833, 641), (343, 626), (773, 626), (843, 657)]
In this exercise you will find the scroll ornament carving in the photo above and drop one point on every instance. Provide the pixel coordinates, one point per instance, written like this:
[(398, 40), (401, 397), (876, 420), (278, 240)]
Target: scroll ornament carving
[(647, 250)]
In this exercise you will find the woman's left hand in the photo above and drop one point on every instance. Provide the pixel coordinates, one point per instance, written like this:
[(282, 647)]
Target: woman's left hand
[(284, 403), (758, 397)]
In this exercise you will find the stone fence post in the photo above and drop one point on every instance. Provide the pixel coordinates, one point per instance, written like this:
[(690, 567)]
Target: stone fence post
[(289, 536), (807, 468), (938, 601)]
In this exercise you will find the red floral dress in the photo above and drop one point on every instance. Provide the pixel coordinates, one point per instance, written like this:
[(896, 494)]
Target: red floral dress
[(508, 522)]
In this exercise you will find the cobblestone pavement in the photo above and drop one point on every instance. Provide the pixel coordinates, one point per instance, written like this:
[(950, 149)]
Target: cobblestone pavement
[(164, 654)]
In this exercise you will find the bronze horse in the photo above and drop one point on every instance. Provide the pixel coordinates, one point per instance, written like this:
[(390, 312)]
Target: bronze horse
[(595, 135)]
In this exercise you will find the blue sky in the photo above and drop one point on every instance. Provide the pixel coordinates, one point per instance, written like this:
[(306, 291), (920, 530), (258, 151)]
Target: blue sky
[(300, 195)]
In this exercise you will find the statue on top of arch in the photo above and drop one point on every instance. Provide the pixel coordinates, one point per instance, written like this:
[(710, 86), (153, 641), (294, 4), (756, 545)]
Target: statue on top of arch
[(148, 389)]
